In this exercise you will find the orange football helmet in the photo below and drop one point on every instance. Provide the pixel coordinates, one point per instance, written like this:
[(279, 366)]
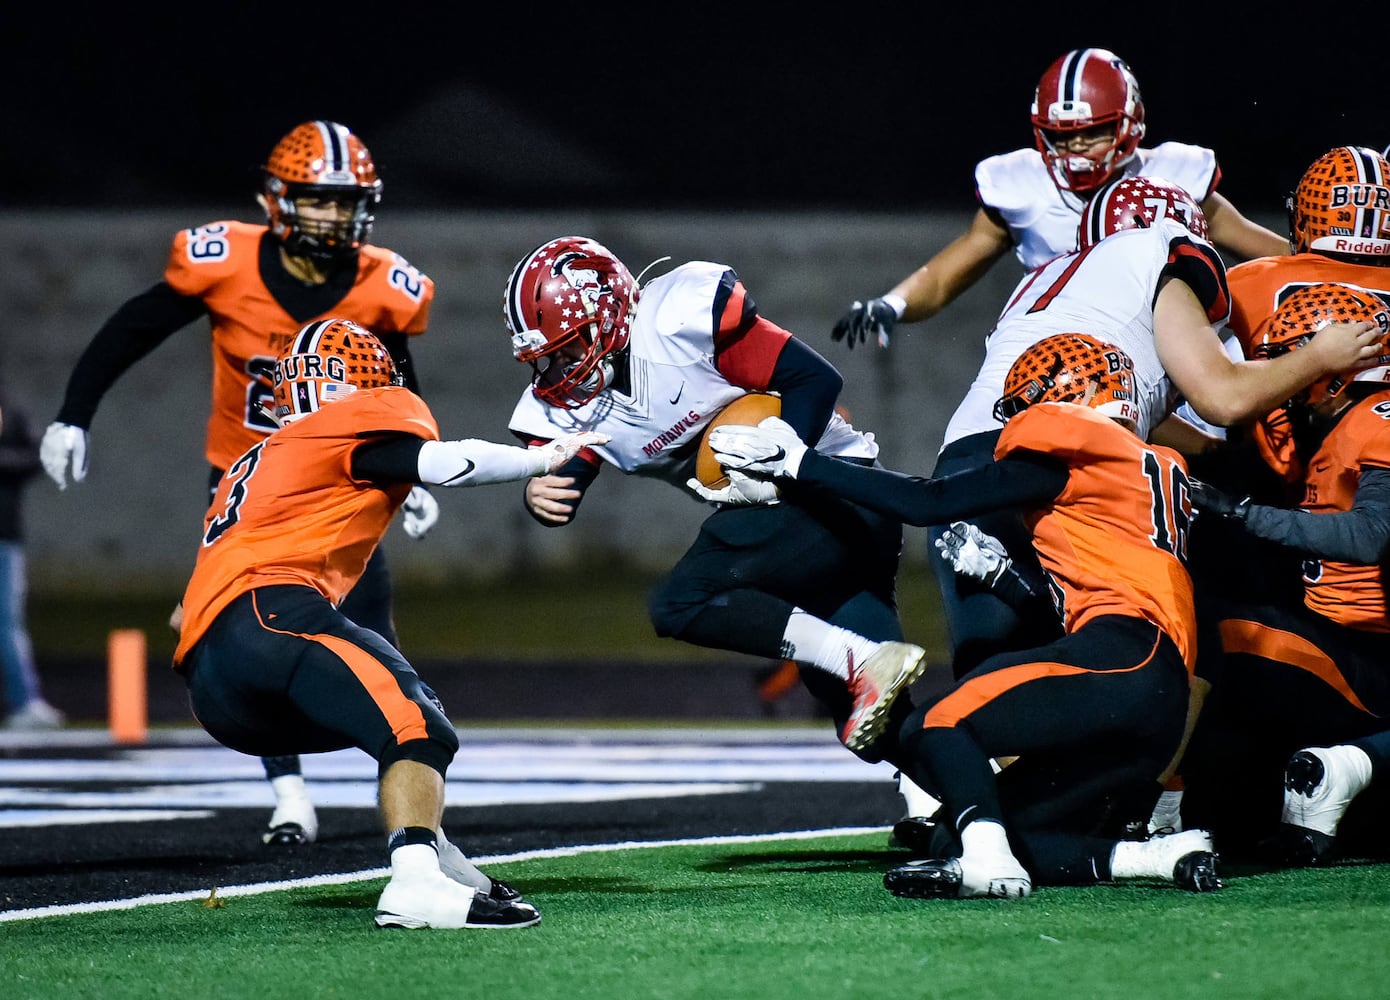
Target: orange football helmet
[(1071, 368), (323, 161), (327, 360), (1081, 90), (1307, 311), (569, 309), (1342, 206), (1134, 203)]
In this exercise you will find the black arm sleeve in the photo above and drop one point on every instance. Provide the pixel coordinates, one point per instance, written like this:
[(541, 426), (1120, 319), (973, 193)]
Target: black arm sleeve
[(393, 458), (398, 346), (809, 386), (1358, 536), (1019, 481), (136, 329)]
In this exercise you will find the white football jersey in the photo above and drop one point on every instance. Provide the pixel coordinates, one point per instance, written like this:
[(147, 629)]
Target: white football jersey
[(1042, 218), (674, 388), (1108, 292)]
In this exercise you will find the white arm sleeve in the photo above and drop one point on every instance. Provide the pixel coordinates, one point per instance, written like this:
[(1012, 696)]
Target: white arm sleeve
[(472, 462)]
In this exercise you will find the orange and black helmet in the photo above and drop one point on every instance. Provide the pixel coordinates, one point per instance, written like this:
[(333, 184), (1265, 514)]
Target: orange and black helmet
[(321, 161), (1313, 307), (327, 360), (1342, 206), (1071, 368)]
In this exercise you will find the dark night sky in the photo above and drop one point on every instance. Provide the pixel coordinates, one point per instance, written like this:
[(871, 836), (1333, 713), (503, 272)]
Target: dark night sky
[(715, 109)]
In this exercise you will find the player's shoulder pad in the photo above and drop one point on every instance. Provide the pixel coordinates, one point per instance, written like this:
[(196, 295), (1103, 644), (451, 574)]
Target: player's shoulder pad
[(204, 254), (1013, 181), (1191, 167)]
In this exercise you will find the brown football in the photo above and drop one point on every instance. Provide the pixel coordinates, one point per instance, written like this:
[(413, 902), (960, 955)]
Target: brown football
[(747, 410)]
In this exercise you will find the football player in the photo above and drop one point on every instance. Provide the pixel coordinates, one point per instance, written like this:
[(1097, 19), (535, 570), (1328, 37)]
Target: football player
[(1339, 231), (1300, 692), (1145, 276), (773, 573), (1088, 121), (273, 666), (256, 285), (1090, 716)]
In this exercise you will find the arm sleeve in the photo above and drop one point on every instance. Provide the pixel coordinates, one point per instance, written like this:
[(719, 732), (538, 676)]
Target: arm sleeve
[(136, 329), (470, 462), (1020, 481), (809, 386), (1357, 536), (398, 346)]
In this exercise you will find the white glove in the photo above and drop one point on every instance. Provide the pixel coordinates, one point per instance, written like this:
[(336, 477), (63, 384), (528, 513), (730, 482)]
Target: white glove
[(770, 449), (742, 490), (63, 443), (972, 552), (552, 456), (420, 512)]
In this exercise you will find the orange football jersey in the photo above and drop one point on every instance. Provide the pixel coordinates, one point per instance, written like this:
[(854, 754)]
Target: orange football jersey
[(1114, 541), (288, 510), (1258, 287), (1346, 593), (219, 263)]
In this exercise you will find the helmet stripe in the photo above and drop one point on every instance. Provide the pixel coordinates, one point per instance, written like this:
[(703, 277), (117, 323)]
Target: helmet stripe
[(307, 342), (1069, 80), (334, 146)]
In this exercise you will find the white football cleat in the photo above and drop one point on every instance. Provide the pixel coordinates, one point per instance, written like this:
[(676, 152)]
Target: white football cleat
[(875, 684), (428, 898)]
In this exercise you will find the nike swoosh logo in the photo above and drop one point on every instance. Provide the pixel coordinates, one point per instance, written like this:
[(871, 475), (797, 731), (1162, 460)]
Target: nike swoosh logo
[(777, 455), (468, 467), (677, 397)]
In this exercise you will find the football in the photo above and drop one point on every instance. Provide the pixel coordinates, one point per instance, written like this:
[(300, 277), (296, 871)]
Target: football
[(747, 410)]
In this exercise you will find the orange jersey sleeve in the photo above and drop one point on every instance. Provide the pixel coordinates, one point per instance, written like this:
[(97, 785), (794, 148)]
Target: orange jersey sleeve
[(1114, 542), (288, 510), (220, 263), (1344, 592)]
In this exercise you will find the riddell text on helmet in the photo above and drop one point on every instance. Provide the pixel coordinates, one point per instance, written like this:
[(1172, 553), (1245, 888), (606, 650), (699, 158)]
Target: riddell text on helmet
[(1375, 248)]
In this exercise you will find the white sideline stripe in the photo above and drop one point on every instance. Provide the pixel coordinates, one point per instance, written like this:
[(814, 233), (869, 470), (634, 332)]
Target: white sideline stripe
[(158, 899)]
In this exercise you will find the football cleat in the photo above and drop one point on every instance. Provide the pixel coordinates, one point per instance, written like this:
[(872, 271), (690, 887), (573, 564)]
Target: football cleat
[(1196, 872), (1000, 877), (293, 823), (913, 833), (875, 684), (1187, 858), (429, 898), (1319, 784)]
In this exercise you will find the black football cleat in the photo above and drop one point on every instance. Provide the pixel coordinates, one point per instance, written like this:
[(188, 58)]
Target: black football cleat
[(1196, 872)]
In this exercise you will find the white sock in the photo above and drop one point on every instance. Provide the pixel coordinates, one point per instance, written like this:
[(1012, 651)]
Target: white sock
[(289, 786), (827, 647), (413, 859), (984, 836)]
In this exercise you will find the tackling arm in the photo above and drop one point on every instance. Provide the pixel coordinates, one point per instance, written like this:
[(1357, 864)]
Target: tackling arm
[(1226, 392)]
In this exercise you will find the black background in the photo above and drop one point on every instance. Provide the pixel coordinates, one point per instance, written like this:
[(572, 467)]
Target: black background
[(664, 107)]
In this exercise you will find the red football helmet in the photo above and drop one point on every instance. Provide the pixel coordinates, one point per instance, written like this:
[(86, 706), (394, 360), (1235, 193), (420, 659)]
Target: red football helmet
[(1135, 203), (327, 360), (1342, 206), (324, 161), (1084, 89), (569, 308), (1307, 311), (1071, 368)]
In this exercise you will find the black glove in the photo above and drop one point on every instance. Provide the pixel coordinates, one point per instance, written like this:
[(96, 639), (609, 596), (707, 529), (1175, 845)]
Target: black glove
[(875, 316), (1210, 500)]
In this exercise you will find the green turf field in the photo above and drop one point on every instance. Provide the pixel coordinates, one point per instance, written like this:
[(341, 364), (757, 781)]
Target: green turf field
[(793, 919)]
